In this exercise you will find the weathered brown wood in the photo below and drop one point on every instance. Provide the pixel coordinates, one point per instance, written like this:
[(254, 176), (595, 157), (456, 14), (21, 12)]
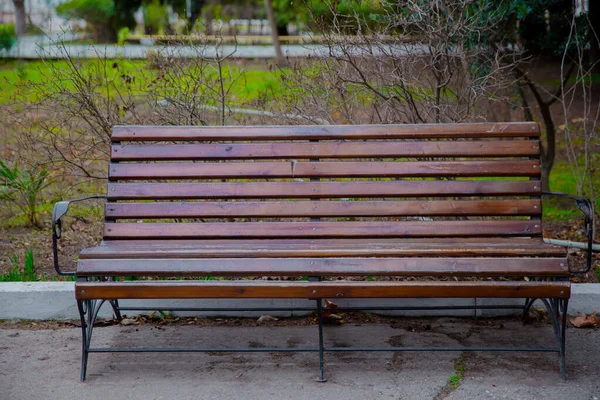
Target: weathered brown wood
[(321, 208), (408, 188), (286, 290), (388, 266), (281, 248), (302, 169), (323, 229), (246, 133), (212, 151)]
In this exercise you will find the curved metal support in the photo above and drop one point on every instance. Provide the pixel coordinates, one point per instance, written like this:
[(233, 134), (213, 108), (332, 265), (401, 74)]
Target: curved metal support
[(527, 307), (88, 312), (552, 312), (586, 207), (115, 306), (59, 211), (92, 315), (557, 309)]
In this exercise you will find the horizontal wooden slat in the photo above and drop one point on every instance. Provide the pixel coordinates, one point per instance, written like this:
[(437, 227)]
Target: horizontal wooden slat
[(249, 248), (321, 208), (262, 289), (389, 266), (140, 191), (211, 151), (300, 169), (323, 229), (313, 132)]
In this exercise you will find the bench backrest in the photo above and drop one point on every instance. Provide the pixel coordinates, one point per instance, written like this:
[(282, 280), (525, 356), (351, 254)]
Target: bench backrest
[(449, 180)]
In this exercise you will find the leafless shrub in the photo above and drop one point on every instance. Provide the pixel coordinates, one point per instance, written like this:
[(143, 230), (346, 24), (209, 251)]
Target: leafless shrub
[(66, 119), (581, 132), (421, 62), (193, 85)]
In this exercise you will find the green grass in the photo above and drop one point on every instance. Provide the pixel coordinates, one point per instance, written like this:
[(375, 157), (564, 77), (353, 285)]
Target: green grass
[(563, 181), (26, 273), (18, 274), (17, 78)]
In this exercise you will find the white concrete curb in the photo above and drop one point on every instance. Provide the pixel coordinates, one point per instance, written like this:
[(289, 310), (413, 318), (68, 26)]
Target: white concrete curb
[(56, 301)]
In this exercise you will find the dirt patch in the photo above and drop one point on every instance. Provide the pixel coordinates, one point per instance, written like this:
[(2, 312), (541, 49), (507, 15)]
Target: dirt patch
[(410, 324), (78, 234)]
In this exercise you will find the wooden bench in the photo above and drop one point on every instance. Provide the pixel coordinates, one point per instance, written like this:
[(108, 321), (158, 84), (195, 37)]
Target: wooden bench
[(456, 200)]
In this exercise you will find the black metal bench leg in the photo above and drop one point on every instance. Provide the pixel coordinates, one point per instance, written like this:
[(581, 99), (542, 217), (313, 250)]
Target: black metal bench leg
[(88, 311), (115, 306), (321, 347), (564, 304), (83, 310), (528, 305), (557, 311), (552, 307)]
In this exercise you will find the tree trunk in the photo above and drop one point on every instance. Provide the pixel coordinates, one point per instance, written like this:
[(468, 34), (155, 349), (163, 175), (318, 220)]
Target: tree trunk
[(274, 34), (20, 26), (594, 35), (195, 12), (549, 150), (283, 30), (104, 33)]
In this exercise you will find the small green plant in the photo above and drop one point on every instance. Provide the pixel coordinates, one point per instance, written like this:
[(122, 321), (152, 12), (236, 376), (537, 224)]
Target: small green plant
[(17, 274), (459, 367), (455, 380), (8, 37), (156, 19), (23, 187), (123, 35)]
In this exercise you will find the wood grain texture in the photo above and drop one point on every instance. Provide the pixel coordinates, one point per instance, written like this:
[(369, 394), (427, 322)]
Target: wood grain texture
[(322, 229), (237, 190), (350, 266), (281, 248), (332, 132), (304, 169), (212, 151), (332, 290), (222, 209)]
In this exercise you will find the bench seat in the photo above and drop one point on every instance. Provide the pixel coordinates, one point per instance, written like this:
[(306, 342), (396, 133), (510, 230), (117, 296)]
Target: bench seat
[(400, 257), (472, 247)]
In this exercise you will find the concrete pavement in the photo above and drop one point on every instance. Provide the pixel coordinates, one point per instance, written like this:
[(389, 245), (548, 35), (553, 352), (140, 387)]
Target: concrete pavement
[(44, 364), (58, 46)]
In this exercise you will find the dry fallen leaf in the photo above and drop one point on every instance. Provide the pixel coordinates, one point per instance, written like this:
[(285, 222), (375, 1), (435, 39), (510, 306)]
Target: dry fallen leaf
[(128, 321), (264, 318), (584, 321), (331, 305)]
